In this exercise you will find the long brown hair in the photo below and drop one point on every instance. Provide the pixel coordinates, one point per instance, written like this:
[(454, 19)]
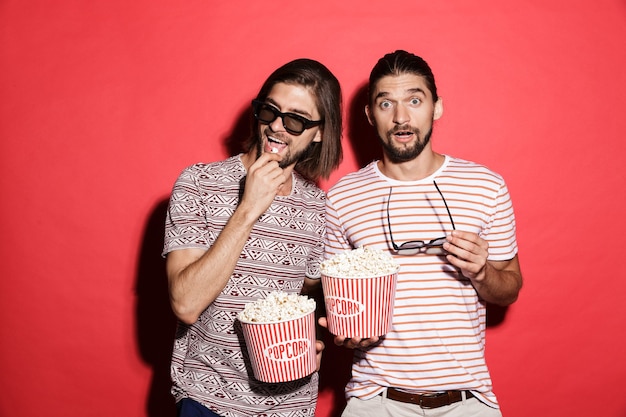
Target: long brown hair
[(322, 157)]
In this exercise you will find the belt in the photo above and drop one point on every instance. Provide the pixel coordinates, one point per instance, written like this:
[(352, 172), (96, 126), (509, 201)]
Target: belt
[(428, 400)]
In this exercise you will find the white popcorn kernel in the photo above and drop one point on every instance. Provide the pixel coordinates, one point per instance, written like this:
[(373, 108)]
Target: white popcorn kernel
[(277, 306), (360, 262)]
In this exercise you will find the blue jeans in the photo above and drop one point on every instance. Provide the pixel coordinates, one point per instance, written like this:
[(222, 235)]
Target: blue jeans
[(190, 408)]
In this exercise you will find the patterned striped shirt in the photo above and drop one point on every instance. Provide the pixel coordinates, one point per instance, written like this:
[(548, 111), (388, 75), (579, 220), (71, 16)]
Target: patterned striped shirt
[(209, 362), (437, 341)]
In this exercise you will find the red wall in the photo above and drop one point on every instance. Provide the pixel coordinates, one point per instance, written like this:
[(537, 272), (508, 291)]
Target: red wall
[(104, 102)]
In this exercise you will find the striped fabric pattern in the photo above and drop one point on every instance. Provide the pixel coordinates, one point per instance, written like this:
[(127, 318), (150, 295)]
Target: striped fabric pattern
[(209, 361), (437, 340)]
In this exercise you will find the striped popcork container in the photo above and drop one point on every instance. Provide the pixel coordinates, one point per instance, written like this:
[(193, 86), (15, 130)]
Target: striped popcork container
[(359, 307), (281, 351)]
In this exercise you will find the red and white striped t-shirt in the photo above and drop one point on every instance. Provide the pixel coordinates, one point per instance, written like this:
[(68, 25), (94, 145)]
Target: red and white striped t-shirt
[(437, 339)]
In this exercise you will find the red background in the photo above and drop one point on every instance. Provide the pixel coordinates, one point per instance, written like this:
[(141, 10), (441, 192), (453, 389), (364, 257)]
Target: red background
[(104, 102)]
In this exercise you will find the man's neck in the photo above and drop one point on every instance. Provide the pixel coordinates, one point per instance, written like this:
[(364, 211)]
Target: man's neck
[(414, 170)]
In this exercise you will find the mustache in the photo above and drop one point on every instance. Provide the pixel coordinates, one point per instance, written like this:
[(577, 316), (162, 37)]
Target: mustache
[(403, 128)]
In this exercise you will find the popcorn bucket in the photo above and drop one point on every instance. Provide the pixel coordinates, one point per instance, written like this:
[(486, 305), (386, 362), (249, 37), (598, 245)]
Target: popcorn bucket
[(281, 351), (359, 307)]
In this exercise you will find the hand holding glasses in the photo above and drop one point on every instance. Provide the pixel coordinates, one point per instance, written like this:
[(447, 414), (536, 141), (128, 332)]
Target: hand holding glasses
[(292, 122), (412, 247)]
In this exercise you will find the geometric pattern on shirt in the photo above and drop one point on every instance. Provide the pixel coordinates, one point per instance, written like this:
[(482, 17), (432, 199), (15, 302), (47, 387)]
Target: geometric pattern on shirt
[(208, 363)]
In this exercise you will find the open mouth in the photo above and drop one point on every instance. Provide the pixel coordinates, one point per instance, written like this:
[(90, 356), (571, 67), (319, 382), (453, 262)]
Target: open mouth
[(403, 135), (274, 145)]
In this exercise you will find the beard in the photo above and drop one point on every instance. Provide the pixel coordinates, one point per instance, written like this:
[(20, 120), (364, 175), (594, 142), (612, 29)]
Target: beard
[(290, 159), (405, 153)]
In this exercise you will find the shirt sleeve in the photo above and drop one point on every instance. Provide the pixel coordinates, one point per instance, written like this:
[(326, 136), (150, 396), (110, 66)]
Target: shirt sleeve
[(185, 223), (500, 231), (335, 236)]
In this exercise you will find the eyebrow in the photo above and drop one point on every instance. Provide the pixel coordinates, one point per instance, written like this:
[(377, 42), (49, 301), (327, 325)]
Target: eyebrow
[(295, 111), (415, 90)]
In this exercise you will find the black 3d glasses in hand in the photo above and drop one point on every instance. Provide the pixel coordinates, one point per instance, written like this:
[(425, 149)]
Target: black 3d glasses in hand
[(293, 123), (412, 247)]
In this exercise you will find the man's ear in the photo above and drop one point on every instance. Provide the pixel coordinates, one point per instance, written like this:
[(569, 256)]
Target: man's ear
[(438, 109), (370, 118), (318, 136)]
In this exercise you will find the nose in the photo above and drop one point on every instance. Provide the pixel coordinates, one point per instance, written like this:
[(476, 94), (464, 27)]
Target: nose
[(401, 115), (277, 124)]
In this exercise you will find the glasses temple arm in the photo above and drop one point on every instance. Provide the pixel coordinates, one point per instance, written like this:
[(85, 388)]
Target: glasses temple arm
[(393, 244), (445, 202)]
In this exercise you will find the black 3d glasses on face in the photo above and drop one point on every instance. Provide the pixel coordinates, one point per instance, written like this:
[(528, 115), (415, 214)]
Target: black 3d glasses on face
[(293, 123), (412, 247)]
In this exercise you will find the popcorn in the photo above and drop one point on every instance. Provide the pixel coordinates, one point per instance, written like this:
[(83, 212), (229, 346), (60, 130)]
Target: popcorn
[(278, 306), (360, 262)]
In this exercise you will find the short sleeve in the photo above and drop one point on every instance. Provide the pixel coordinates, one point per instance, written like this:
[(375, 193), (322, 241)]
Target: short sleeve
[(185, 222)]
